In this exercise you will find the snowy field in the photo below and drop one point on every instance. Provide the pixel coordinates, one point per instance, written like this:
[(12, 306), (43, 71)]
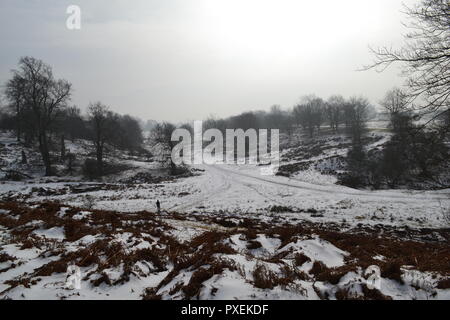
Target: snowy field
[(227, 232)]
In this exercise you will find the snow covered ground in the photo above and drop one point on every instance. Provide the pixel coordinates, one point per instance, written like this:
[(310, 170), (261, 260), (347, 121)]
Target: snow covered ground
[(226, 233), (172, 256), (243, 190)]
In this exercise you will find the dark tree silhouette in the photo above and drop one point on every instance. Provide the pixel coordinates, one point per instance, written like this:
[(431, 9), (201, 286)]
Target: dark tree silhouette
[(309, 113), (33, 88), (334, 111), (162, 136), (101, 121), (395, 103), (358, 113), (14, 92), (425, 59)]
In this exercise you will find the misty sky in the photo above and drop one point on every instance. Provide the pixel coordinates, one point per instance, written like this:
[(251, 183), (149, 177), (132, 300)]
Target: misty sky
[(188, 59)]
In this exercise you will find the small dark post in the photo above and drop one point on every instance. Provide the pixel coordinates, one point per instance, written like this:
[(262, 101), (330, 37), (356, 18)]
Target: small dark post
[(158, 206), (71, 159), (24, 157), (63, 149)]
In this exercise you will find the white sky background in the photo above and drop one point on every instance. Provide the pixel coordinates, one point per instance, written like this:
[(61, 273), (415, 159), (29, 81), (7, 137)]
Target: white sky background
[(187, 59)]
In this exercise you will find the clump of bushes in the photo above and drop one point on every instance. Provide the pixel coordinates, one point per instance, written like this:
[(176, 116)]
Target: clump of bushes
[(90, 168), (281, 209)]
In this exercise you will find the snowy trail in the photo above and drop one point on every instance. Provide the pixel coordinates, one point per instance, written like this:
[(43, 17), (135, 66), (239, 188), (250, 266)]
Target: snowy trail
[(241, 189), (215, 186), (218, 185), (334, 189)]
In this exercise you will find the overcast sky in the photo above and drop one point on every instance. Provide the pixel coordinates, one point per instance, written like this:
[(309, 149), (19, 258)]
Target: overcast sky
[(188, 59)]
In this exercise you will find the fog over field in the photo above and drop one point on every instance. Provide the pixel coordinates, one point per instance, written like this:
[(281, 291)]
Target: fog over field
[(224, 150), (185, 60)]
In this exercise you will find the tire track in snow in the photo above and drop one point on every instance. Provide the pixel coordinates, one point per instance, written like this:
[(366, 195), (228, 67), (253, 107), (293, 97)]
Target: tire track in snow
[(228, 179), (225, 185), (311, 187)]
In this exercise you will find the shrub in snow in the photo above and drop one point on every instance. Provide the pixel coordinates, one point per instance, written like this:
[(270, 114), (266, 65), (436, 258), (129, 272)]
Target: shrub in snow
[(90, 168)]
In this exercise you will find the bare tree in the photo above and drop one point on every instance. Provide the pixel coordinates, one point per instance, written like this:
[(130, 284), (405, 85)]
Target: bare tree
[(34, 87), (162, 137), (276, 118), (425, 58), (132, 137), (310, 113), (72, 125), (358, 112), (100, 118), (334, 110), (395, 103), (14, 92), (249, 120)]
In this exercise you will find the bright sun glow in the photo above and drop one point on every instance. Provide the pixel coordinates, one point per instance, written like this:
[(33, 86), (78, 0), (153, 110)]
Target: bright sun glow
[(290, 27)]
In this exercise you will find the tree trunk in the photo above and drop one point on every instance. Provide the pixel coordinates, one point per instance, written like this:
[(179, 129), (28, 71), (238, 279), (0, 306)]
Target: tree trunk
[(100, 159), (173, 168), (24, 157), (70, 162), (19, 133), (43, 148), (63, 148), (311, 131), (28, 138)]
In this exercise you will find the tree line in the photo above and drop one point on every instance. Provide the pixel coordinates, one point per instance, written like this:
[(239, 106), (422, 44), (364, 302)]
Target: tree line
[(312, 114), (414, 155), (37, 109), (419, 113)]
